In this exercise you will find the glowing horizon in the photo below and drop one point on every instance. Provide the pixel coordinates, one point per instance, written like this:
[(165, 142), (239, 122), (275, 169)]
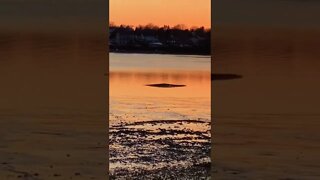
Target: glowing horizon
[(191, 13)]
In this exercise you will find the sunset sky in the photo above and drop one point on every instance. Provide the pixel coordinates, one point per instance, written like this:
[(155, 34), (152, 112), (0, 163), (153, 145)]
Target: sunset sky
[(161, 12)]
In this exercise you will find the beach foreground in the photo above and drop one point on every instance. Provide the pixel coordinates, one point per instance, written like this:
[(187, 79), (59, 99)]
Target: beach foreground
[(163, 149)]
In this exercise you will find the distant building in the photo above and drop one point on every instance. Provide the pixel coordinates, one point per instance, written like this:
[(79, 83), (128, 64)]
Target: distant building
[(121, 36), (125, 38)]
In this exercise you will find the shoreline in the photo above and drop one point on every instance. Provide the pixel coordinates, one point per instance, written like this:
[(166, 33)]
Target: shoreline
[(158, 52)]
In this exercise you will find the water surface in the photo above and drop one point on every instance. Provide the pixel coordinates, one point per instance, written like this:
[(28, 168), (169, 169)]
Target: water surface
[(159, 132)]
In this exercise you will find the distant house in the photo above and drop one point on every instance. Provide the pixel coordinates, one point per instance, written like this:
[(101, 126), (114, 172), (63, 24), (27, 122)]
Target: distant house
[(155, 44), (111, 36), (111, 30), (126, 38), (152, 41), (121, 36)]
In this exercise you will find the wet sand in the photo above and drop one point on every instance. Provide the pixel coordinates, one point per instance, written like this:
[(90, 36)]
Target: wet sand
[(266, 124), (160, 149)]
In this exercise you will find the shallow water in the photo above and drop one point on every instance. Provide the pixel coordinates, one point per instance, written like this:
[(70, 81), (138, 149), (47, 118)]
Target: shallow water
[(156, 131)]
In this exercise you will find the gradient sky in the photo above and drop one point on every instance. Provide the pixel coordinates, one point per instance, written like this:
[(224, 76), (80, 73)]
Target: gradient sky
[(161, 12)]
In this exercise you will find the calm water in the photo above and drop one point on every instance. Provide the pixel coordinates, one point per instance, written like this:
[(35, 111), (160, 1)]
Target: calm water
[(159, 130)]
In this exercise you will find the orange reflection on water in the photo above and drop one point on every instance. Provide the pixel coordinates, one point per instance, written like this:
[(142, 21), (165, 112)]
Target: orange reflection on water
[(133, 83)]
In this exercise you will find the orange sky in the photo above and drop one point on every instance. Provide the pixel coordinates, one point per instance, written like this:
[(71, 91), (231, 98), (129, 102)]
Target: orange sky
[(161, 12)]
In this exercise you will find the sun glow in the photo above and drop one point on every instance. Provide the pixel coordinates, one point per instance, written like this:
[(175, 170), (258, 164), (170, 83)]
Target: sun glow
[(190, 13)]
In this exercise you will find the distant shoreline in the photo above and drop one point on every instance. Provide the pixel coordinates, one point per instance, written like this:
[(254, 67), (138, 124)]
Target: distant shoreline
[(160, 40), (159, 52)]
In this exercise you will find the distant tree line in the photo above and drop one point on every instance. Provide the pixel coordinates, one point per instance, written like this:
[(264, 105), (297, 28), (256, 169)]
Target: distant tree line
[(154, 39)]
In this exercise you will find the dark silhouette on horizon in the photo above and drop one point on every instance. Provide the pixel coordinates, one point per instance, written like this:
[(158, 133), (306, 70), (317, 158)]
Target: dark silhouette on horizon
[(154, 39)]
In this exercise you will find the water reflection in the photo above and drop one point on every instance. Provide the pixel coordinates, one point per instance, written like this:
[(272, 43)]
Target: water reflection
[(159, 132), (133, 84)]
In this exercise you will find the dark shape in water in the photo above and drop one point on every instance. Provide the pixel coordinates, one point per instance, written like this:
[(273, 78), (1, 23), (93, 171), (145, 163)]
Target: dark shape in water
[(225, 76), (165, 85)]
